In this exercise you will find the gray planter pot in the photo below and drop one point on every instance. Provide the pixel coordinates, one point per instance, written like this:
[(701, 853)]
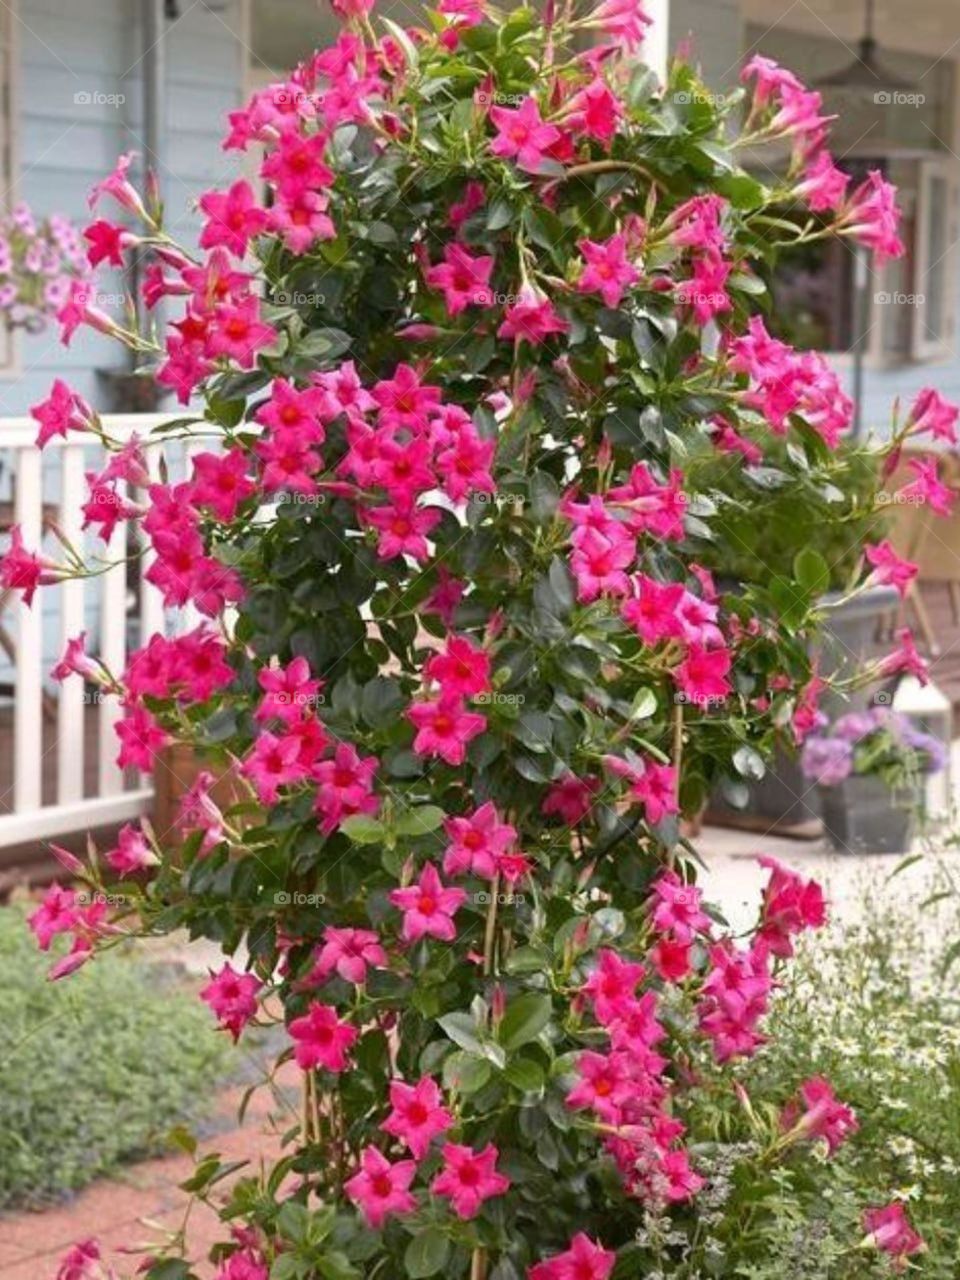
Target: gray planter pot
[(784, 798), (863, 815)]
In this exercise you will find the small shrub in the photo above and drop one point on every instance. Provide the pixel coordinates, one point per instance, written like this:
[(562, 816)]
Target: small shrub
[(94, 1071)]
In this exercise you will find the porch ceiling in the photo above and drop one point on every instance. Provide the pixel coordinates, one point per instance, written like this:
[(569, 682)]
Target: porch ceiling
[(930, 27)]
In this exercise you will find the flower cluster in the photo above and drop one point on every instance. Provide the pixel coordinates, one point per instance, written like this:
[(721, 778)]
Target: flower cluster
[(878, 741), (39, 263)]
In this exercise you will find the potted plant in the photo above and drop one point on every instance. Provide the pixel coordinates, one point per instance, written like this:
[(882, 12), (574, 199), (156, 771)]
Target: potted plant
[(870, 768), (462, 643)]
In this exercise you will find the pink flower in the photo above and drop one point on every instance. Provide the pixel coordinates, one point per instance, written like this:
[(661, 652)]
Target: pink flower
[(273, 762), (790, 905), (870, 214), (463, 279), (889, 1230), (677, 908), (595, 111), (584, 1260), (656, 789), (606, 1084), (322, 1039), (234, 218), (671, 959), (81, 1262), (108, 241), (531, 318), (523, 134), (468, 1178), (818, 1114), (612, 985), (301, 221), (418, 1114), (232, 996), (403, 528), (599, 562), (607, 270), (904, 658), (23, 570), (345, 786), (141, 738), (477, 842), (288, 692), (702, 676), (444, 728), (823, 185), (625, 20), (118, 185), (571, 798), (243, 1265), (63, 410), (428, 907), (348, 953), (463, 209), (132, 852), (927, 488), (381, 1189), (220, 482), (888, 567), (931, 412), (653, 611), (238, 332), (57, 913), (461, 670)]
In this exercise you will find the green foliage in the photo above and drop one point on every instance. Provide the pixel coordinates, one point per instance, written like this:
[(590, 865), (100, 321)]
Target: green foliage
[(95, 1069)]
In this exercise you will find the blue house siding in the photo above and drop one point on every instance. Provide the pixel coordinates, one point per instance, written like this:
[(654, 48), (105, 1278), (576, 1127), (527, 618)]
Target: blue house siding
[(64, 146)]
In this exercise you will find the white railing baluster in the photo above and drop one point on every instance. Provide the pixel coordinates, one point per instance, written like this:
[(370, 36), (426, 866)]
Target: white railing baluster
[(70, 693), (151, 598), (98, 606), (113, 651), (28, 707)]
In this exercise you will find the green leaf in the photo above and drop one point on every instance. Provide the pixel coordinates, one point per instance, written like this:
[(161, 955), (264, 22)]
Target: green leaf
[(811, 571), (462, 1030), (525, 1018), (525, 1074), (420, 821), (426, 1254), (363, 830)]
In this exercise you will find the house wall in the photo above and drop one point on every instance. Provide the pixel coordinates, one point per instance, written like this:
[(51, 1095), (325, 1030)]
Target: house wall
[(64, 142), (77, 104)]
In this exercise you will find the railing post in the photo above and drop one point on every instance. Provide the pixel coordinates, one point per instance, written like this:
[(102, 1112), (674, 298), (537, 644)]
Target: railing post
[(28, 705), (656, 45)]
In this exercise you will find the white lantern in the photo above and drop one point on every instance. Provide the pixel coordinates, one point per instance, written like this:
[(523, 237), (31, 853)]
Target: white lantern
[(928, 709)]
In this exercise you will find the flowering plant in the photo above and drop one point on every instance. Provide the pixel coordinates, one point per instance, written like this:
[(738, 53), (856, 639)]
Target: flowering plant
[(39, 263), (463, 653), (878, 741)]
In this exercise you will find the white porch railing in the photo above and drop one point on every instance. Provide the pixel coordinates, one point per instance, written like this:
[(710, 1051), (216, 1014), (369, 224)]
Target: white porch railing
[(43, 488)]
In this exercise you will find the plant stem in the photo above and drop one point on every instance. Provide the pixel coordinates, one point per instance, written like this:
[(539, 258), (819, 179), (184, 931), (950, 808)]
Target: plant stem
[(490, 933), (478, 1264)]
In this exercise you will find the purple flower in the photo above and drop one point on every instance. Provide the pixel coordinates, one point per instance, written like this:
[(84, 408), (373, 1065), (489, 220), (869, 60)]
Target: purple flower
[(828, 761)]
